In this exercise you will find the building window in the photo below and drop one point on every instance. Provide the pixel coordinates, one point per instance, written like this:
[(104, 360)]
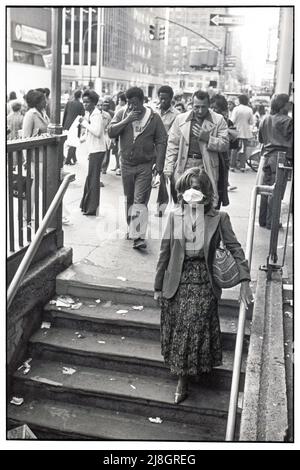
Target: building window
[(68, 35), (23, 57), (85, 44), (94, 36), (76, 35)]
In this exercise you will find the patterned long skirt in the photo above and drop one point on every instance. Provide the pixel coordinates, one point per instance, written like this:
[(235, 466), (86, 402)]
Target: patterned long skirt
[(190, 328)]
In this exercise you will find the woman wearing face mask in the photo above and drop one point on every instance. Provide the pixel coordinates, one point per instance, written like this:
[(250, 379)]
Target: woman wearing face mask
[(184, 285)]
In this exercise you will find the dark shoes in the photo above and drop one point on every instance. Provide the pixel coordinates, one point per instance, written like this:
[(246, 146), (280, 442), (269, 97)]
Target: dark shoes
[(268, 227), (139, 243), (89, 213), (181, 390), (159, 214), (101, 184)]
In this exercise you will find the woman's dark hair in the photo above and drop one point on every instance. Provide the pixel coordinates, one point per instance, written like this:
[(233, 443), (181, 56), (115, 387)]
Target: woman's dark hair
[(12, 96), (135, 92), (201, 95), (166, 89), (42, 90), (261, 109), (184, 183), (16, 106), (278, 102), (220, 102), (77, 94), (243, 99), (122, 97), (91, 95), (34, 98), (180, 105)]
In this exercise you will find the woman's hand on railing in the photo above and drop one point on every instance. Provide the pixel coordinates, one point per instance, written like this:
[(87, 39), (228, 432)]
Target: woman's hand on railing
[(246, 295), (157, 295)]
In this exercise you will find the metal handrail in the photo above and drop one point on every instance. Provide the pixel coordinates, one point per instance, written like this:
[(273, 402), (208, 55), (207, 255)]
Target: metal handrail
[(33, 247), (258, 189)]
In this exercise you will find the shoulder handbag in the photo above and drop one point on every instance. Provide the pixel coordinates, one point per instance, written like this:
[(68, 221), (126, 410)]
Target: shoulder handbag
[(15, 185), (225, 269)]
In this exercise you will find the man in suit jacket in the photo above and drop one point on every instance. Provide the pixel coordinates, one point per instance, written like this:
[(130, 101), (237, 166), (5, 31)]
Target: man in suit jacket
[(73, 109), (195, 139)]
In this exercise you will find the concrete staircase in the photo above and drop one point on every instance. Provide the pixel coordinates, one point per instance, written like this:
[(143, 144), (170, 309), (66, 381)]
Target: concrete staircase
[(120, 380)]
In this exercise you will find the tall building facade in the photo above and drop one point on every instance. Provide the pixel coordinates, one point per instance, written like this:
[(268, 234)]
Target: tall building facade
[(182, 42), (110, 49), (28, 37), (106, 48)]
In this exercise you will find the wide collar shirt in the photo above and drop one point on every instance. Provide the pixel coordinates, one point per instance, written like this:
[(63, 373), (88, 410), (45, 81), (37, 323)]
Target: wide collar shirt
[(167, 116), (140, 125)]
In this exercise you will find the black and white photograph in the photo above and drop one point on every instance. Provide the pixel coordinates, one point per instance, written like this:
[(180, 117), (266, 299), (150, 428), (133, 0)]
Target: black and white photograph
[(149, 228)]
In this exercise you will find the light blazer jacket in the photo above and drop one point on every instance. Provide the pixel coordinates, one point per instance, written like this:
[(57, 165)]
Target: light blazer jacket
[(172, 250), (179, 141), (95, 139)]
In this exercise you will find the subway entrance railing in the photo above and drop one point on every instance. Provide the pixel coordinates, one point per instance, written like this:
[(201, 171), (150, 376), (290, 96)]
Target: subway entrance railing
[(276, 192), (33, 178)]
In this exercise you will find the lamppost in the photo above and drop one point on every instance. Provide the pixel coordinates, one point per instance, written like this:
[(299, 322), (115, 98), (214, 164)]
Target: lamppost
[(100, 51), (82, 52)]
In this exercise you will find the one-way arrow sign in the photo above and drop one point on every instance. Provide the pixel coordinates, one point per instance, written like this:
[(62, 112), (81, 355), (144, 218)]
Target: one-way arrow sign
[(226, 20)]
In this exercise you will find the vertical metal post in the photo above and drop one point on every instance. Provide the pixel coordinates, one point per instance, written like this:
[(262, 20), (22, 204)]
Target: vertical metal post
[(64, 34), (54, 126), (101, 49), (72, 36), (288, 222), (276, 210), (285, 50)]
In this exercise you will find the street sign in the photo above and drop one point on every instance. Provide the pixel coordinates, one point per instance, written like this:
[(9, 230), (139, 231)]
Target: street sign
[(225, 20)]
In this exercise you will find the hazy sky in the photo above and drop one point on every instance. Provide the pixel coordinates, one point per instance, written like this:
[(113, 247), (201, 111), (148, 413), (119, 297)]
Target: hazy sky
[(254, 37)]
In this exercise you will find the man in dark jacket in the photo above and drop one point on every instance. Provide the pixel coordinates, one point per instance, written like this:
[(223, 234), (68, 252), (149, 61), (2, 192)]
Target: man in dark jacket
[(142, 139), (73, 109)]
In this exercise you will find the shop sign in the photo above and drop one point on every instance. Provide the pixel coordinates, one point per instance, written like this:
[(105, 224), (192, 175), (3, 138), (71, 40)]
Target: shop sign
[(29, 35)]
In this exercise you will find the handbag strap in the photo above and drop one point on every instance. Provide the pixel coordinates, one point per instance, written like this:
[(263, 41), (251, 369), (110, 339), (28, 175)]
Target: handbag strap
[(220, 231)]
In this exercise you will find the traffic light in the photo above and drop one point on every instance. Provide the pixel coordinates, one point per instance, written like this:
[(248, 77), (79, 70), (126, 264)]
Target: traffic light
[(162, 32), (152, 32)]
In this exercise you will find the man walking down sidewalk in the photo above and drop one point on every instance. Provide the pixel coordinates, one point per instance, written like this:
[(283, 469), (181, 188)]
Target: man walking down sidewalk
[(242, 118), (142, 139), (167, 113), (73, 109), (195, 140)]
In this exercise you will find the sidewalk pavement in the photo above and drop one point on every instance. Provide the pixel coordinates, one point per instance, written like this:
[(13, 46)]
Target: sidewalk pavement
[(100, 241)]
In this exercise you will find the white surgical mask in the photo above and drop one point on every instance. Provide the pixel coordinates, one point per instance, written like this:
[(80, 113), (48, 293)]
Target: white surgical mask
[(192, 196)]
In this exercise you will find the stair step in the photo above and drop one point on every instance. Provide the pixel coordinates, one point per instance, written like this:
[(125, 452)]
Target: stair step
[(134, 355), (121, 391), (50, 419), (144, 324), (85, 281)]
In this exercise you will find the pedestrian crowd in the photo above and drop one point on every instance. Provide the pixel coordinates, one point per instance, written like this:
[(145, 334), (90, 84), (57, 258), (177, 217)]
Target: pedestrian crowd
[(186, 150)]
